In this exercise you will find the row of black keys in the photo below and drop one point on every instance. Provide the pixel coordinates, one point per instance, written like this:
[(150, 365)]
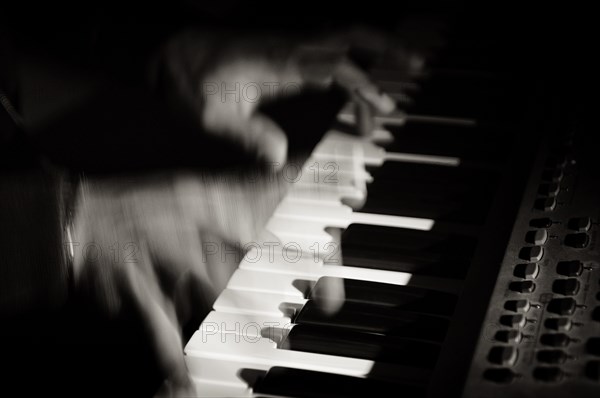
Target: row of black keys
[(402, 325), (399, 325), (457, 198)]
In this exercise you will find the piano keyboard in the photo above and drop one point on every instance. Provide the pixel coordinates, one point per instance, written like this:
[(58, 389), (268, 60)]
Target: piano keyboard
[(361, 265), (392, 265)]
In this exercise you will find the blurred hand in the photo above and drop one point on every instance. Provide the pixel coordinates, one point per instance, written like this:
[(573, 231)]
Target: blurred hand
[(140, 244), (220, 82)]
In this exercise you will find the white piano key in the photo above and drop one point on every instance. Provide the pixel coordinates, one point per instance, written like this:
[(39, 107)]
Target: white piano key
[(340, 216), (213, 389), (423, 159), (339, 271), (329, 172), (314, 165), (396, 118), (375, 155), (272, 280), (254, 303), (423, 224), (326, 193), (379, 136), (239, 353), (312, 266), (221, 371), (267, 282), (249, 325), (287, 225)]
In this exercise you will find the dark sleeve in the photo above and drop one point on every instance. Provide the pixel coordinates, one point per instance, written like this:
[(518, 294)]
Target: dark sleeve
[(34, 259), (33, 211)]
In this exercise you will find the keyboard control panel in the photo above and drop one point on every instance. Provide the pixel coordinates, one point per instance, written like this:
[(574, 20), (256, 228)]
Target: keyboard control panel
[(541, 334)]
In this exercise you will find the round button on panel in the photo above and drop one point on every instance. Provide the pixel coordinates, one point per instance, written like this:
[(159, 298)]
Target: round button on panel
[(552, 356), (540, 223), (513, 321), (522, 286), (505, 356), (569, 268), (532, 254), (566, 287), (555, 339), (537, 237), (580, 224), (509, 336), (559, 324), (526, 271), (577, 241), (550, 189), (562, 306), (548, 374), (517, 305), (545, 204)]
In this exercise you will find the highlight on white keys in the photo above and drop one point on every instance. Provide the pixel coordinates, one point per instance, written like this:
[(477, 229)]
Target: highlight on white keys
[(342, 145), (340, 216)]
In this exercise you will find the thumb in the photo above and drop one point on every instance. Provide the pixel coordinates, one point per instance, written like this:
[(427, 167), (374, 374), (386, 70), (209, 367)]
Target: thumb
[(265, 138), (161, 325)]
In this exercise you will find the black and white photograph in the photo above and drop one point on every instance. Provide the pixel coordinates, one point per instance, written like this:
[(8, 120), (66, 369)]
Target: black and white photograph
[(301, 199)]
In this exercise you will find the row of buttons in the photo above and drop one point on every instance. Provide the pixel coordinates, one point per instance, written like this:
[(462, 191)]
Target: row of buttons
[(507, 355), (562, 306), (544, 373), (550, 189), (566, 287), (578, 240), (553, 351)]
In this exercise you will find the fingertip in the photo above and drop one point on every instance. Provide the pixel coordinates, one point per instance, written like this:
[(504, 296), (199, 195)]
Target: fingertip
[(386, 104), (331, 295), (364, 118), (381, 102), (271, 142), (273, 151)]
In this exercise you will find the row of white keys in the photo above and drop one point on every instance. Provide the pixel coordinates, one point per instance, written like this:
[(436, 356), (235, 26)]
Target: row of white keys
[(270, 290), (228, 343), (297, 285), (287, 267), (263, 287), (301, 223)]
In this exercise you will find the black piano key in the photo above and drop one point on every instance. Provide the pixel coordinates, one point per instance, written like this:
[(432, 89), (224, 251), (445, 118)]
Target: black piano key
[(447, 194), (458, 98), (408, 298), (354, 344), (301, 383), (471, 144), (376, 319), (406, 250)]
